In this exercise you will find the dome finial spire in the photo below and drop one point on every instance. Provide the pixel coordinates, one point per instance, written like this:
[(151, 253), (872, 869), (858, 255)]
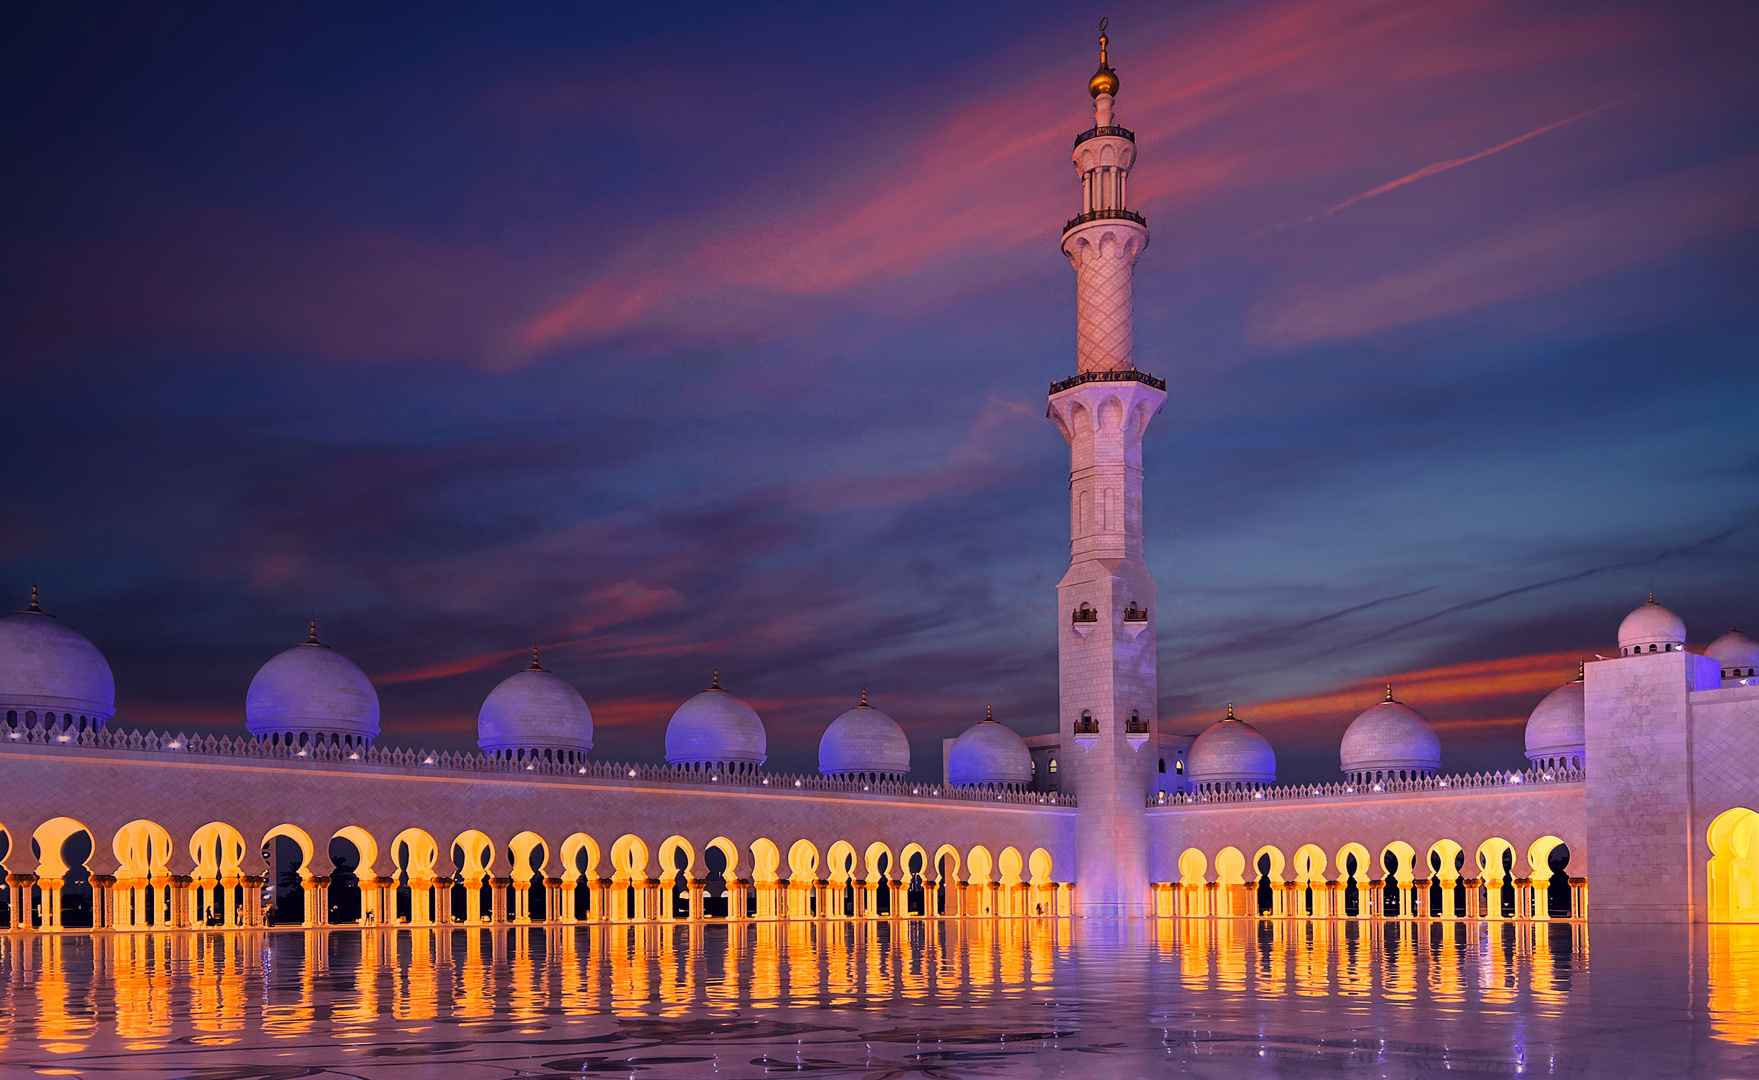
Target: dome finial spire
[(313, 638), (35, 608), (535, 666), (864, 703), (1231, 715), (715, 682), (1581, 670), (1105, 80), (1389, 693), (989, 712)]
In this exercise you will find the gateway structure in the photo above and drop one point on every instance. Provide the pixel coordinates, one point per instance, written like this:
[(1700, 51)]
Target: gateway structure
[(1639, 780)]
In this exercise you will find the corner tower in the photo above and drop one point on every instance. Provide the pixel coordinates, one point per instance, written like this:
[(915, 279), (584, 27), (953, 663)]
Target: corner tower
[(1106, 602)]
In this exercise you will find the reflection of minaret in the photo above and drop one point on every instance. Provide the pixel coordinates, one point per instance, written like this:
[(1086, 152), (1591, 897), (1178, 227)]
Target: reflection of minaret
[(1106, 602)]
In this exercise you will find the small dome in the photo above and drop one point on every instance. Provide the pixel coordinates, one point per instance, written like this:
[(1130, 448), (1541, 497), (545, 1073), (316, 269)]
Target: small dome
[(1105, 80), (533, 713), (312, 690), (989, 753), (717, 729), (1390, 738), (1737, 653), (1651, 628), (864, 740), (1231, 751), (1557, 727), (48, 670)]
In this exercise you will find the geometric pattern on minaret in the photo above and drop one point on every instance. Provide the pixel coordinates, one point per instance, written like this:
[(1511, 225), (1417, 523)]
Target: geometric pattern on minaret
[(1107, 680)]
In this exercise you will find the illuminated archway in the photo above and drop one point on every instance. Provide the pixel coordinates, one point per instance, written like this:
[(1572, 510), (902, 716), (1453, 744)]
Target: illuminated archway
[(1733, 871)]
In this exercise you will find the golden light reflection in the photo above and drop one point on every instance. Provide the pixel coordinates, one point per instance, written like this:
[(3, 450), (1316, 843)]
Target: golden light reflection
[(148, 991), (1733, 971)]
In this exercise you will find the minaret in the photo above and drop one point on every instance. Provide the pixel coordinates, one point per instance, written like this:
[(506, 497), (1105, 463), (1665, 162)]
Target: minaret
[(1106, 602)]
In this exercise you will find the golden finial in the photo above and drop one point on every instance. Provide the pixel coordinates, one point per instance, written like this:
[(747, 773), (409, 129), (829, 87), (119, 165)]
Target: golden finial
[(1389, 694), (1105, 80), (989, 713), (715, 683), (864, 703), (1231, 715), (313, 639), (535, 666), (1581, 670), (1652, 595), (35, 608)]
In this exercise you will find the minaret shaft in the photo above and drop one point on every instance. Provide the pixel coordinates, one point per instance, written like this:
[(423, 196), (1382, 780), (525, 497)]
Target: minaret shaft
[(1106, 660)]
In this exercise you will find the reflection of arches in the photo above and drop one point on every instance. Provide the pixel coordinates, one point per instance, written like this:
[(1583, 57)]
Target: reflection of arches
[(1733, 872)]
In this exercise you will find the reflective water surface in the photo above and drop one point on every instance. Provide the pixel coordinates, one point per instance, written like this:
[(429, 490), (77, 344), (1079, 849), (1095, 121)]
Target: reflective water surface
[(874, 999)]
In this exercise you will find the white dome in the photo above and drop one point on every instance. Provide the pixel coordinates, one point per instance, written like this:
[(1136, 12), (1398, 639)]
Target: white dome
[(989, 753), (533, 710), (48, 670), (311, 689), (1557, 726), (715, 728), (1231, 751), (1390, 737), (1651, 628), (1737, 653), (864, 740)]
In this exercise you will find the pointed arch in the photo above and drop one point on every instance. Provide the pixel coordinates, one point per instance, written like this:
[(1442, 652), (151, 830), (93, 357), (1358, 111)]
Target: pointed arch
[(300, 838), (802, 861), (218, 850), (947, 856), (629, 859), (729, 851), (1275, 870), (909, 851), (979, 865), (1193, 868), (1733, 869), (1230, 866), (871, 861), (415, 853), (1009, 865), (520, 851), (479, 855), (1309, 864), (50, 836), (574, 868), (670, 847), (363, 842), (766, 860), (143, 850), (840, 861)]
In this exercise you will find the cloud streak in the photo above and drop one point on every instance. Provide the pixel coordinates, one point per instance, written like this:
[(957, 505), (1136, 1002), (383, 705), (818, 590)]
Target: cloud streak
[(1454, 163)]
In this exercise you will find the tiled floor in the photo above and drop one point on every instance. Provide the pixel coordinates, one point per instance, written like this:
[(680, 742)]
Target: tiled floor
[(1012, 998)]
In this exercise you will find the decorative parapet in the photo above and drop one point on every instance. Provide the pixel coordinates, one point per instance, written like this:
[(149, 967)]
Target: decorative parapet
[(1127, 375), (1507, 781), (255, 750)]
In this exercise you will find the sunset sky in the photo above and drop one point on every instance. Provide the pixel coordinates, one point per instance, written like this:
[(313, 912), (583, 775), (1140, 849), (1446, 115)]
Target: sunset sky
[(670, 338)]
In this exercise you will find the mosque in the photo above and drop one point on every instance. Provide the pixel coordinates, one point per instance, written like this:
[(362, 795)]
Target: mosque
[(1639, 778)]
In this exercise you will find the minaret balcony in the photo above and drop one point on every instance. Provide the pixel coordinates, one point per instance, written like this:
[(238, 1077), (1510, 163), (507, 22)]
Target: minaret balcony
[(1135, 619), (1105, 215), (1136, 730), (1086, 731), (1127, 375), (1110, 131), (1084, 619)]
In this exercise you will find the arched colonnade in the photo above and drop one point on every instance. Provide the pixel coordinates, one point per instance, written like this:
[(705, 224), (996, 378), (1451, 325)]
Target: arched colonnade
[(290, 878), (1447, 880)]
